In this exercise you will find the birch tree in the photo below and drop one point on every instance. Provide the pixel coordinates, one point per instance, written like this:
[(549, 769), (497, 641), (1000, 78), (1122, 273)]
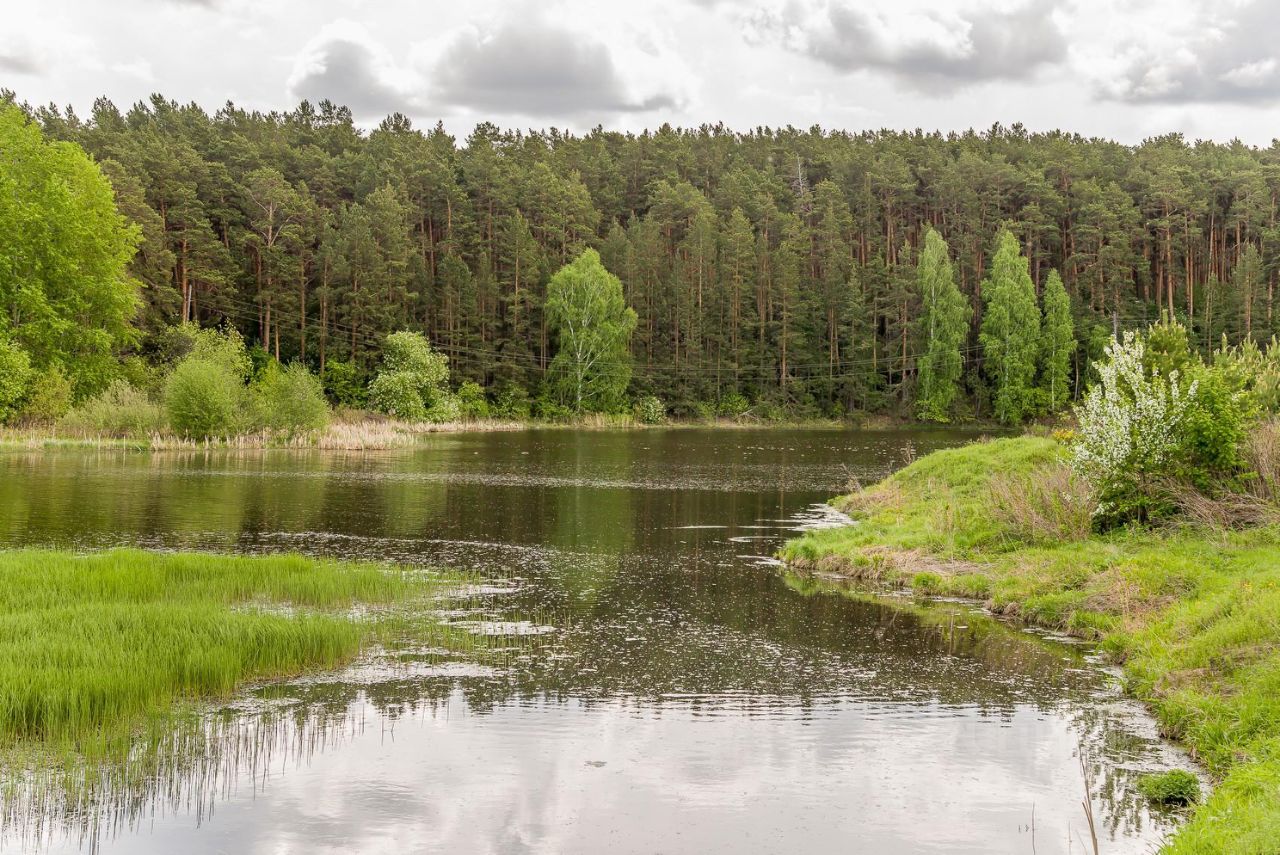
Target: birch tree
[(592, 324)]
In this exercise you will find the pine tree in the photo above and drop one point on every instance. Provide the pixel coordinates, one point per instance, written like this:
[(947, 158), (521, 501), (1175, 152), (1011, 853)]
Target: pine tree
[(1057, 343), (1010, 334), (943, 325)]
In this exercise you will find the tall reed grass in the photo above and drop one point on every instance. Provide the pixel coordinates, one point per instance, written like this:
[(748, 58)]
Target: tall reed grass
[(91, 644)]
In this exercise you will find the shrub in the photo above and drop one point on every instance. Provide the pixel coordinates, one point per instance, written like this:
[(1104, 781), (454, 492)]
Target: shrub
[(343, 384), (445, 409), (733, 406), (15, 377), (412, 379), (396, 393), (649, 410), (511, 402), (204, 398), (48, 399), (123, 411), (1214, 430), (551, 410), (291, 399), (472, 403), (1175, 787), (225, 347), (1130, 427)]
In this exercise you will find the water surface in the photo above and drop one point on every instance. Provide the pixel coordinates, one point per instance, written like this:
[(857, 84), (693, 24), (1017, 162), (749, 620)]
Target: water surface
[(649, 680)]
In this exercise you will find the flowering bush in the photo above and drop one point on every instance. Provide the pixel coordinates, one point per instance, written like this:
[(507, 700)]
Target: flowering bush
[(1130, 426)]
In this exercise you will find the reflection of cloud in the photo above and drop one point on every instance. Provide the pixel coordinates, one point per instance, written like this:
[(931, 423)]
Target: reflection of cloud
[(927, 49), (1230, 57)]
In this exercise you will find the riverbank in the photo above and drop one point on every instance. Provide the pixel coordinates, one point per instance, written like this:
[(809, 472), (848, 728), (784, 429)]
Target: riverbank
[(99, 647), (359, 431), (1193, 614)]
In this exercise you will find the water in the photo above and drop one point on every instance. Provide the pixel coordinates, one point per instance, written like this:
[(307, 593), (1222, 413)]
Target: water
[(650, 681)]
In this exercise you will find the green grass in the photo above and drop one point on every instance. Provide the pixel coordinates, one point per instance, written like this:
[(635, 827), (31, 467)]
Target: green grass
[(1193, 615), (92, 646)]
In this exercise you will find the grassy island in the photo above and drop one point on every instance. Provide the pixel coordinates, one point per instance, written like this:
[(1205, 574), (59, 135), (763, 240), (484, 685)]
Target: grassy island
[(1191, 610), (93, 647)]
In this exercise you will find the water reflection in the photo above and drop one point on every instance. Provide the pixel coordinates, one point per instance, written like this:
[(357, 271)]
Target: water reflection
[(643, 683)]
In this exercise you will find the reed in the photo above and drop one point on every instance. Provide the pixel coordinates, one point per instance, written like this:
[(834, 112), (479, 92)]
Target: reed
[(92, 644)]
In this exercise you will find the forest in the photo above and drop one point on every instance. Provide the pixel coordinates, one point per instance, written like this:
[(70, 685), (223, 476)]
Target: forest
[(777, 269)]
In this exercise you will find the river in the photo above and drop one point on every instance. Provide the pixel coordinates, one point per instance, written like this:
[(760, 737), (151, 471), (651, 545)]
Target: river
[(650, 680)]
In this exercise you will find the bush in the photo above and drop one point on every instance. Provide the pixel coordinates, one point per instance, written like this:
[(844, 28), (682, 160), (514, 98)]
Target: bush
[(48, 399), (396, 393), (412, 379), (445, 409), (548, 409), (511, 402), (122, 411), (649, 410), (472, 403), (291, 399), (1131, 425), (1175, 787), (204, 398), (733, 406), (15, 377), (343, 384), (225, 347), (1214, 430)]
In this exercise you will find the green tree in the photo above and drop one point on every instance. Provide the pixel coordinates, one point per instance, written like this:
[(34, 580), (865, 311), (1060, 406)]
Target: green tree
[(1010, 334), (413, 381), (65, 296), (593, 325), (943, 326), (1057, 343)]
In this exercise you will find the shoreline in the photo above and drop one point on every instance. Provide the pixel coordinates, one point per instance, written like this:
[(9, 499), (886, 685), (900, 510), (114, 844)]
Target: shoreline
[(1191, 615), (380, 434)]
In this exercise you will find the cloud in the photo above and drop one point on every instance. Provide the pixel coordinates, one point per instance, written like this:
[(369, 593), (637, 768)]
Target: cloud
[(17, 56), (530, 67), (1225, 55), (346, 66), (927, 48)]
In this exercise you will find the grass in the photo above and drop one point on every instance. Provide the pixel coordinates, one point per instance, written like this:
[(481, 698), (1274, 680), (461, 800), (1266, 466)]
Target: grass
[(1192, 613), (93, 646)]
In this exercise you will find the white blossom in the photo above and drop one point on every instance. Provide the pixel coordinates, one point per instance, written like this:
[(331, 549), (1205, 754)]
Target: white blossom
[(1129, 420)]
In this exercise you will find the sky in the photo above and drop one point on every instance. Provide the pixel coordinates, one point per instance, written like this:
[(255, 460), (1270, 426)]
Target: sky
[(1122, 70)]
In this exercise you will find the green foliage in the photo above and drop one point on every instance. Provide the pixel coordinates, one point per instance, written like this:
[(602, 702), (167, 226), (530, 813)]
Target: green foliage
[(290, 399), (649, 410), (733, 406), (121, 410), (1213, 430), (48, 399), (1057, 344), (593, 325), (472, 403), (66, 294), (413, 381), (205, 398), (399, 394), (1175, 787), (943, 327), (343, 384), (1010, 334), (511, 401), (15, 378)]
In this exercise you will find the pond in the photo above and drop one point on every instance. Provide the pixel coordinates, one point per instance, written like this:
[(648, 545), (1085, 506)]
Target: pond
[(649, 679)]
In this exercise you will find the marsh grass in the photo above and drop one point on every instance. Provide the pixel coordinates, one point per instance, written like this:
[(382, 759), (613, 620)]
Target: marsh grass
[(1192, 613), (94, 646)]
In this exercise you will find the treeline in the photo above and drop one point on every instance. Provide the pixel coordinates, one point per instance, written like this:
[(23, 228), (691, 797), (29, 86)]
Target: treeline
[(775, 266)]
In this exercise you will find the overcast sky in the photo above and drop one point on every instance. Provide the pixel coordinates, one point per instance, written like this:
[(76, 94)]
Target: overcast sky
[(1125, 70)]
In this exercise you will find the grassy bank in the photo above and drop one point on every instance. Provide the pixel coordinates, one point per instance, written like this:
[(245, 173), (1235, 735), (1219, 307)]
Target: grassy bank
[(95, 647), (1192, 613)]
